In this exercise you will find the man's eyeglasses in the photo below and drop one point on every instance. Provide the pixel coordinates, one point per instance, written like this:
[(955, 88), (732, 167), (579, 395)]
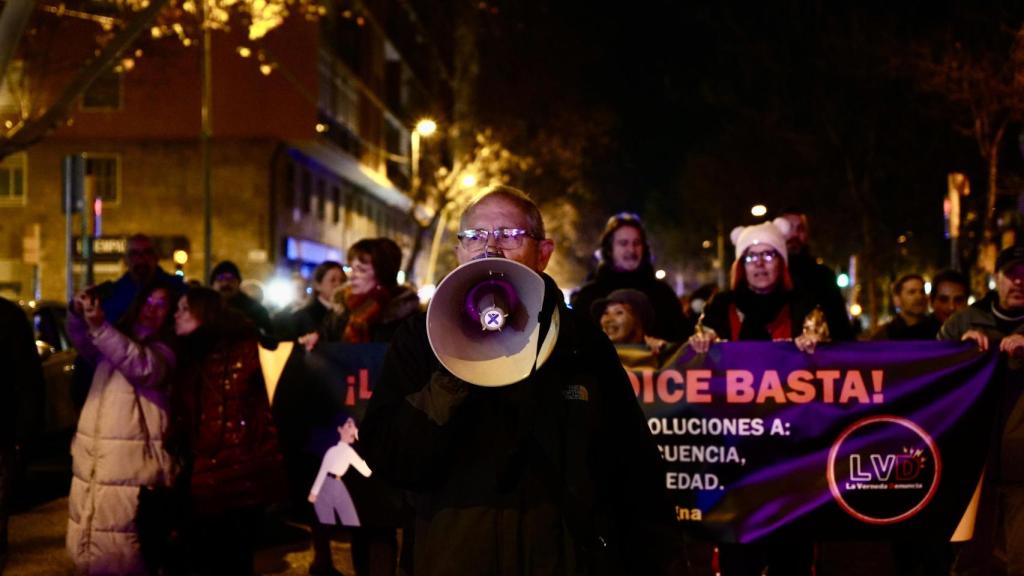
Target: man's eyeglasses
[(766, 257), (475, 239)]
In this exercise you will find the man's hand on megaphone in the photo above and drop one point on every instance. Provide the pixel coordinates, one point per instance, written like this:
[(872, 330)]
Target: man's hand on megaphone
[(440, 396)]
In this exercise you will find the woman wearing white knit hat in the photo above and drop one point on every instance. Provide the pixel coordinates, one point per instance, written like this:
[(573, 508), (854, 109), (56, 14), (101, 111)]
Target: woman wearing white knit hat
[(761, 305)]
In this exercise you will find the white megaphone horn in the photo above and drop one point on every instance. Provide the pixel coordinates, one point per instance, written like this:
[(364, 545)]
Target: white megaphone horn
[(483, 321)]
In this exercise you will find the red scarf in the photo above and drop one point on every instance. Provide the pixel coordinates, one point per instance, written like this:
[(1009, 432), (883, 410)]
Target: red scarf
[(363, 311), (781, 328)]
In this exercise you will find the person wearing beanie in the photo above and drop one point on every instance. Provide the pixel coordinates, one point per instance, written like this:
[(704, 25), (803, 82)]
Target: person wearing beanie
[(625, 316), (762, 304), (226, 279), (626, 262)]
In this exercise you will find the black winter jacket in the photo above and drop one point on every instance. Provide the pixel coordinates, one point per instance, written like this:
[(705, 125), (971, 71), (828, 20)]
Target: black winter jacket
[(556, 474)]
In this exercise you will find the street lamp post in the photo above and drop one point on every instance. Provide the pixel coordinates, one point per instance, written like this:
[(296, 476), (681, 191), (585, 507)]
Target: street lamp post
[(424, 129)]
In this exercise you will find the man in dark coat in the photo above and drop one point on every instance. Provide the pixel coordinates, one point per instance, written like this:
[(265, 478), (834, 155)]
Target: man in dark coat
[(626, 262), (815, 280), (554, 474), (227, 279), (143, 267), (912, 321), (23, 374), (949, 294), (996, 322)]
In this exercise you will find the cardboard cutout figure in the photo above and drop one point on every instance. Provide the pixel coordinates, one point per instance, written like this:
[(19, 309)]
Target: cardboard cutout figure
[(330, 497)]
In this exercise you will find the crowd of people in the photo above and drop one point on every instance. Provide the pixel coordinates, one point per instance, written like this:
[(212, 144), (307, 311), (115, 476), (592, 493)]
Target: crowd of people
[(177, 458), (178, 454)]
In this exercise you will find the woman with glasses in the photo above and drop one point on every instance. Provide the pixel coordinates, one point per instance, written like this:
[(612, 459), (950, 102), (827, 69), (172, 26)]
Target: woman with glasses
[(368, 308), (118, 450), (761, 305)]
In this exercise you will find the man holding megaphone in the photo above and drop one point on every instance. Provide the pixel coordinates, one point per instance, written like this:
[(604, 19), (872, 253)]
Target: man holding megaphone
[(512, 423)]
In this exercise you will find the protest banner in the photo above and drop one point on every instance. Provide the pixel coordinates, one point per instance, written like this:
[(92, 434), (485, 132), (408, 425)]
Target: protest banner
[(858, 440)]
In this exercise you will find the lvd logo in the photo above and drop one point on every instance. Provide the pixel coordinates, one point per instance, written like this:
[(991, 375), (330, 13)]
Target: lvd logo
[(883, 467), (886, 485)]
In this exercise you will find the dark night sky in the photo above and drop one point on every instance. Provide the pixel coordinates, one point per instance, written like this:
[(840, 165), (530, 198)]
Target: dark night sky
[(716, 107)]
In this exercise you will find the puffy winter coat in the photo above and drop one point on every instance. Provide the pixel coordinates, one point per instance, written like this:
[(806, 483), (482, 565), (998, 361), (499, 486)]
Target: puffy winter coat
[(117, 448)]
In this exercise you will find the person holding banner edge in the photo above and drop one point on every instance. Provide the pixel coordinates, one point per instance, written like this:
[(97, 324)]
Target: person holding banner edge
[(762, 305), (996, 323), (554, 474)]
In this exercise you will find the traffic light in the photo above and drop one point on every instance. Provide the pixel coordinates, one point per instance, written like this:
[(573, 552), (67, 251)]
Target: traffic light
[(180, 259)]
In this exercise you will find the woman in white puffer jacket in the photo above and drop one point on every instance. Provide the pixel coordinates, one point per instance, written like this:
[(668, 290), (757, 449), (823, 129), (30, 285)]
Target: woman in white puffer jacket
[(118, 447)]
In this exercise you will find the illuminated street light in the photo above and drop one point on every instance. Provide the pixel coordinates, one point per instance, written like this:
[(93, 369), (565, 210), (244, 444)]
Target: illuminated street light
[(424, 129), (660, 274), (758, 210), (469, 180), (842, 280), (856, 310), (180, 257)]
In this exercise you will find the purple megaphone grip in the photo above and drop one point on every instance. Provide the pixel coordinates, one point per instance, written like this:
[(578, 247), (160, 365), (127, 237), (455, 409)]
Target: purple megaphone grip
[(503, 287)]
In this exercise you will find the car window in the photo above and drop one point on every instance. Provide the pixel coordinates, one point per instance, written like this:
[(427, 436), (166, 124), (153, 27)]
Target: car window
[(47, 328)]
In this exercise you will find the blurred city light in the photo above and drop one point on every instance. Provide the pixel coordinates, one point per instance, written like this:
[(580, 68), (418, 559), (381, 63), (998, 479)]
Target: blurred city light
[(660, 274), (842, 280), (426, 292), (426, 127), (758, 210), (280, 292), (180, 257), (469, 180), (855, 310)]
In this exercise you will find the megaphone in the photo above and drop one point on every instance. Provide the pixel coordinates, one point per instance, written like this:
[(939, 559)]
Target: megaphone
[(483, 321)]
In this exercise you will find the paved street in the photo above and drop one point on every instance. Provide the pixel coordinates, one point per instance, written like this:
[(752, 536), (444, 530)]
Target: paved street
[(37, 546)]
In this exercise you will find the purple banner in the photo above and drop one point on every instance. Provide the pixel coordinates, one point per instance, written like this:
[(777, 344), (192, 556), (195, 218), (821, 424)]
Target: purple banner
[(858, 440)]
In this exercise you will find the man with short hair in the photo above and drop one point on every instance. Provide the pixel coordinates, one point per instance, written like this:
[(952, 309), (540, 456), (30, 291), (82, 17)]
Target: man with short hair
[(626, 262), (949, 294), (227, 279), (996, 322), (912, 321), (143, 267), (554, 474), (815, 280)]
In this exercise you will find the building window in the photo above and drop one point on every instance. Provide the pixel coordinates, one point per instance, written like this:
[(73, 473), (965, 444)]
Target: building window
[(104, 93), (321, 200), (12, 179), (307, 192), (289, 185), (336, 204), (105, 170)]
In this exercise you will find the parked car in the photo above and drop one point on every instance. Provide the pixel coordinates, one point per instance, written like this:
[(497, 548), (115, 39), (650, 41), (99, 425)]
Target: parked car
[(47, 417)]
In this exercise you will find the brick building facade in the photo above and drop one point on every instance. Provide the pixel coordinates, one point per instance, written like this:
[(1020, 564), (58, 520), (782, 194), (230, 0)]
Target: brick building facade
[(310, 146)]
